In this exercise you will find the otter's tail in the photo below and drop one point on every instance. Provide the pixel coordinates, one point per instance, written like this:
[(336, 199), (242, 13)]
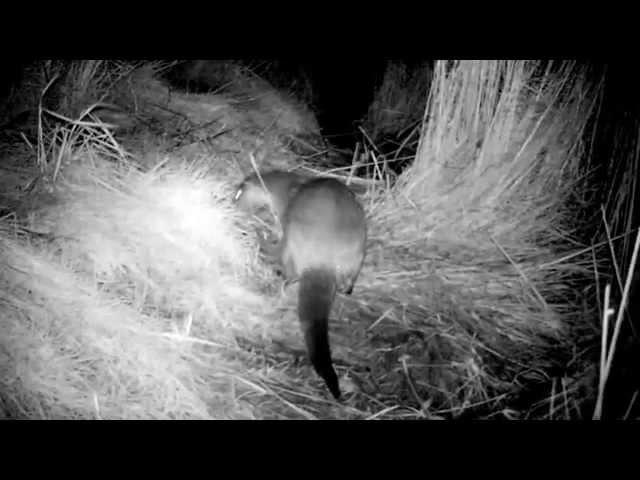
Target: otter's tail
[(315, 297)]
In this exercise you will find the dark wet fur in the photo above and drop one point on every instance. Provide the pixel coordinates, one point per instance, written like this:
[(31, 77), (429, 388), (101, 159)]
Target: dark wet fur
[(316, 295)]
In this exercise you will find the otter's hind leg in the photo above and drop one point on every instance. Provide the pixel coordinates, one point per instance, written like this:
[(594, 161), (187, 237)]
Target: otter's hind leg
[(288, 264), (346, 282)]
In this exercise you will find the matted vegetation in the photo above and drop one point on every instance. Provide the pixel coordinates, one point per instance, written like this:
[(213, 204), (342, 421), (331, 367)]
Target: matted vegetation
[(397, 102), (133, 289)]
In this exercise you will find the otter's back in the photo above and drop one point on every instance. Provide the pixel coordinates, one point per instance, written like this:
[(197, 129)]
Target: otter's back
[(324, 226)]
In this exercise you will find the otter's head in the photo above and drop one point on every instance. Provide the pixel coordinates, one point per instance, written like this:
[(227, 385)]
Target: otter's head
[(251, 196)]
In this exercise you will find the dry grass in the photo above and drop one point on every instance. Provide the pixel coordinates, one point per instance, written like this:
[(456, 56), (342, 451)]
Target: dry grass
[(470, 239), (265, 107), (128, 300), (616, 224), (609, 346), (398, 100), (143, 296)]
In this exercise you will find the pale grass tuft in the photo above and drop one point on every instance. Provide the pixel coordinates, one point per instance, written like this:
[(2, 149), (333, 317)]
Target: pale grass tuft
[(466, 247)]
